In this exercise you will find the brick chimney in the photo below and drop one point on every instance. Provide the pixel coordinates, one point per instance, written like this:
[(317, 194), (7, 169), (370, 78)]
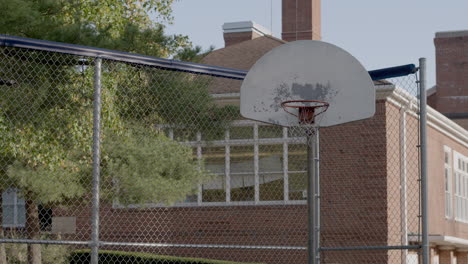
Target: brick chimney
[(452, 74), (301, 20), (237, 32)]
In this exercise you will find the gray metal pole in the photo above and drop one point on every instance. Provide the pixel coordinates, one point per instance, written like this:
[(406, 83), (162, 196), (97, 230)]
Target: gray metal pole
[(312, 209), (317, 195), (423, 149), (96, 161)]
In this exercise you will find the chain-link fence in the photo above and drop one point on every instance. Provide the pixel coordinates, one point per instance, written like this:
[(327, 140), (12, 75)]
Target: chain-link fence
[(371, 209), (136, 159)]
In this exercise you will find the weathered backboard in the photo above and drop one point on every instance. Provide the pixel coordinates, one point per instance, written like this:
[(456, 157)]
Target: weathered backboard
[(307, 70)]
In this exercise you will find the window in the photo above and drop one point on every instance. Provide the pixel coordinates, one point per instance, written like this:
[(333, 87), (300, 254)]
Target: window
[(13, 209), (460, 169), (253, 163), (448, 181)]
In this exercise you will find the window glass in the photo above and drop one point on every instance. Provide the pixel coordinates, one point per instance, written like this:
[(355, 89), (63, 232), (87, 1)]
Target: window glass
[(298, 186), (214, 161), (271, 187), (241, 190), (214, 191), (241, 132), (271, 158), (461, 187), (271, 177), (242, 173), (270, 132), (297, 158), (13, 209), (8, 215)]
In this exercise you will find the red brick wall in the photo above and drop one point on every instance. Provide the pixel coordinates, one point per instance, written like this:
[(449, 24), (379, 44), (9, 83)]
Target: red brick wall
[(445, 256), (452, 73), (231, 225), (238, 37), (354, 188), (462, 257), (358, 208), (432, 100), (302, 21)]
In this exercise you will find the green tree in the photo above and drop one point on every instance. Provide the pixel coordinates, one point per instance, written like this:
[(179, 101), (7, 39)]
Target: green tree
[(46, 117)]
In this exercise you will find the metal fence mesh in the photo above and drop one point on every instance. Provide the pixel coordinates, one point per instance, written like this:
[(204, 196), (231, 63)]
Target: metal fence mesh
[(371, 182), (183, 176)]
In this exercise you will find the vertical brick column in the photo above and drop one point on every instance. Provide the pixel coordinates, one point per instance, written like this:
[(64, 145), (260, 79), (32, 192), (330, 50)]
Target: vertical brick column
[(301, 19), (462, 256), (451, 71), (446, 254)]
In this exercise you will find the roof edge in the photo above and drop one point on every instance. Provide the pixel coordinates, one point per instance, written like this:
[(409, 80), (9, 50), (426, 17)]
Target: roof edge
[(404, 99), (452, 34), (435, 119)]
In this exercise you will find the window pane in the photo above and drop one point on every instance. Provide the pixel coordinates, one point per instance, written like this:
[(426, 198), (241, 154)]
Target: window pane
[(297, 186), (214, 161), (446, 180), (270, 132), (21, 214), (271, 187), (242, 173), (271, 158), (243, 132), (214, 191), (8, 197), (8, 215), (296, 132), (271, 176), (297, 157), (242, 188), (242, 159)]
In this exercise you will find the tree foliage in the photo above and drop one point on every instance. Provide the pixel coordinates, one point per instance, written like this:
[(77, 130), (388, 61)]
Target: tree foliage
[(46, 111), (124, 25), (46, 132)]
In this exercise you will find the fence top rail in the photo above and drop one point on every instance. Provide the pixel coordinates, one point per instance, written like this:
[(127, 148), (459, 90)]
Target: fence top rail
[(168, 64), (79, 50)]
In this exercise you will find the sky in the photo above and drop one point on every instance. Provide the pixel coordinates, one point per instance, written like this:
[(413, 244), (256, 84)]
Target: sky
[(379, 34)]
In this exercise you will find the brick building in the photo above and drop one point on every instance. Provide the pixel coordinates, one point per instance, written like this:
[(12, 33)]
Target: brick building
[(450, 94), (395, 117)]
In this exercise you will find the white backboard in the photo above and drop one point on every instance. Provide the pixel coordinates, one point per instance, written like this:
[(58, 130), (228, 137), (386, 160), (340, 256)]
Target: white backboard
[(307, 70)]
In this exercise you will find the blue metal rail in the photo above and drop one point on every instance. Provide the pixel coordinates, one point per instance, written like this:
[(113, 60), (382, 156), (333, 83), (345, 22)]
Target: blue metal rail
[(44, 45)]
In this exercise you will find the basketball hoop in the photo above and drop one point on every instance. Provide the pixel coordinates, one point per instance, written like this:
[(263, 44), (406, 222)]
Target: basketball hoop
[(307, 110)]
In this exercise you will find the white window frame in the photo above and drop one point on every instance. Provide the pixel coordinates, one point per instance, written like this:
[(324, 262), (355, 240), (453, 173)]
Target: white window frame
[(460, 170), (227, 142), (448, 182), (15, 205)]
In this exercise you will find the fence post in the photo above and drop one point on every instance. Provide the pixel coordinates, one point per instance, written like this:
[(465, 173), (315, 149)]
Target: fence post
[(96, 161), (423, 149), (313, 189)]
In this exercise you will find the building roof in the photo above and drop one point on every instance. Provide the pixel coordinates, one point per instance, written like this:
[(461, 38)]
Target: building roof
[(239, 56)]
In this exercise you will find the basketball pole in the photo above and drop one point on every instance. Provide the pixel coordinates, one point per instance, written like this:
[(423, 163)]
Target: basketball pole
[(313, 195)]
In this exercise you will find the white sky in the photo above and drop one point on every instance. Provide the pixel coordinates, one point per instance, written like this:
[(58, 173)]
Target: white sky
[(378, 33)]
